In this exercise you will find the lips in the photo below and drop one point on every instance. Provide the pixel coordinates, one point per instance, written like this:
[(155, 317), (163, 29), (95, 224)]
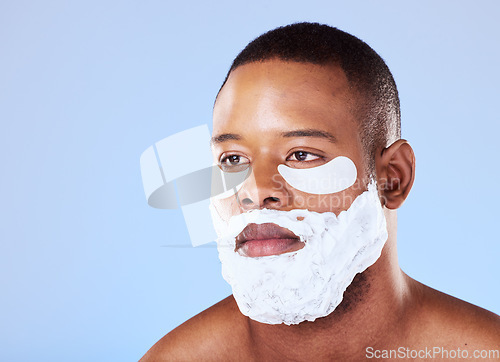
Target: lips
[(266, 239)]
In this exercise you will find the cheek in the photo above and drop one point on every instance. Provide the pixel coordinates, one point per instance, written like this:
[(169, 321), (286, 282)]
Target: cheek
[(335, 203), (225, 207)]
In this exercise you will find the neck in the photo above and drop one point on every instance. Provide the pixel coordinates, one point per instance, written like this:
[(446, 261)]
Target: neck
[(373, 313)]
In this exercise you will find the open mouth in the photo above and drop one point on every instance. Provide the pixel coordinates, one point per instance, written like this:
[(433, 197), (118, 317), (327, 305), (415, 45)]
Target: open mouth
[(266, 239)]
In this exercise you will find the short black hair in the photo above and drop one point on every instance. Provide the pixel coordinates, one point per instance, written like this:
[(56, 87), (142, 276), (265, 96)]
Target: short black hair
[(377, 108)]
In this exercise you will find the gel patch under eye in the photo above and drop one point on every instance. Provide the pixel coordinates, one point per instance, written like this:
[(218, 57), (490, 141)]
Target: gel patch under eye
[(334, 176)]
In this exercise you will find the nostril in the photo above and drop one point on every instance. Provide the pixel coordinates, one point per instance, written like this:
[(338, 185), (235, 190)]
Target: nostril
[(271, 200), (246, 201)]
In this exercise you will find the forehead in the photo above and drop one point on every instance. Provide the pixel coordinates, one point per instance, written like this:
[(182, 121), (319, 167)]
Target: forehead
[(278, 94)]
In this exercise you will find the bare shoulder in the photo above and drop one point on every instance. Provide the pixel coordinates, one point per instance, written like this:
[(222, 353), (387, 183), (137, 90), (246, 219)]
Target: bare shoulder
[(453, 323), (216, 333)]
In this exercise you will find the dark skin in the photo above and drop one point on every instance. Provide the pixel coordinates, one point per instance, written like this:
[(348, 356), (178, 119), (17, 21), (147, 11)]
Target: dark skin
[(383, 308)]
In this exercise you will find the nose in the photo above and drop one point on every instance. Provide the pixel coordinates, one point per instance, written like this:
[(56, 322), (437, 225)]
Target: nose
[(264, 188)]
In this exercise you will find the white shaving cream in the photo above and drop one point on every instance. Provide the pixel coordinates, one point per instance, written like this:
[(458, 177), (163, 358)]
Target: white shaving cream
[(334, 176), (309, 283)]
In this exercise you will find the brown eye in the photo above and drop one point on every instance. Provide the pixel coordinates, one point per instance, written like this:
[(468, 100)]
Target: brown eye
[(302, 156), (234, 163), (234, 159)]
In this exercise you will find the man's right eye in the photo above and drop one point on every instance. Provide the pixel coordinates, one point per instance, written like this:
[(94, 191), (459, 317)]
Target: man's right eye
[(234, 163)]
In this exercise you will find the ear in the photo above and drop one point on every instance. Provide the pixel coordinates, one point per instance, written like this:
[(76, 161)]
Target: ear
[(395, 173)]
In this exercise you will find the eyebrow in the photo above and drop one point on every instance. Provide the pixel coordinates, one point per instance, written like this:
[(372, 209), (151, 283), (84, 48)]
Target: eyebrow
[(225, 137), (309, 132)]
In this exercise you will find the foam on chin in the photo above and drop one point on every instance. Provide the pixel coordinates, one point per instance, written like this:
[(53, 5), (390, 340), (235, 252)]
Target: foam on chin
[(309, 283)]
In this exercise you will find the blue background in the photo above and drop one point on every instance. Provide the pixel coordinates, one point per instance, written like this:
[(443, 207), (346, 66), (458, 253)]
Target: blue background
[(87, 269)]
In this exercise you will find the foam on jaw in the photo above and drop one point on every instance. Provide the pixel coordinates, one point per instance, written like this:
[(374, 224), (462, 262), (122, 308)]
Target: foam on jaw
[(308, 283)]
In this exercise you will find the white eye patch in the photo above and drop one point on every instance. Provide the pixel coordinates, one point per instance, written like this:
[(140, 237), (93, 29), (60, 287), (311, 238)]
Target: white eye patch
[(334, 176)]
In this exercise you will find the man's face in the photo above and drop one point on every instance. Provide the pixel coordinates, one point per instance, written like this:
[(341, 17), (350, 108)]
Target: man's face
[(297, 114)]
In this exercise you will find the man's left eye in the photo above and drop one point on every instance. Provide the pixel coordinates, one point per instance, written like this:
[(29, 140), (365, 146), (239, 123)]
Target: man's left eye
[(302, 156)]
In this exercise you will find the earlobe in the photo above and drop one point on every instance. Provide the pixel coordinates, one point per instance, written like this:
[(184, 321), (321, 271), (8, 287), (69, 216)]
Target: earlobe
[(395, 173)]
